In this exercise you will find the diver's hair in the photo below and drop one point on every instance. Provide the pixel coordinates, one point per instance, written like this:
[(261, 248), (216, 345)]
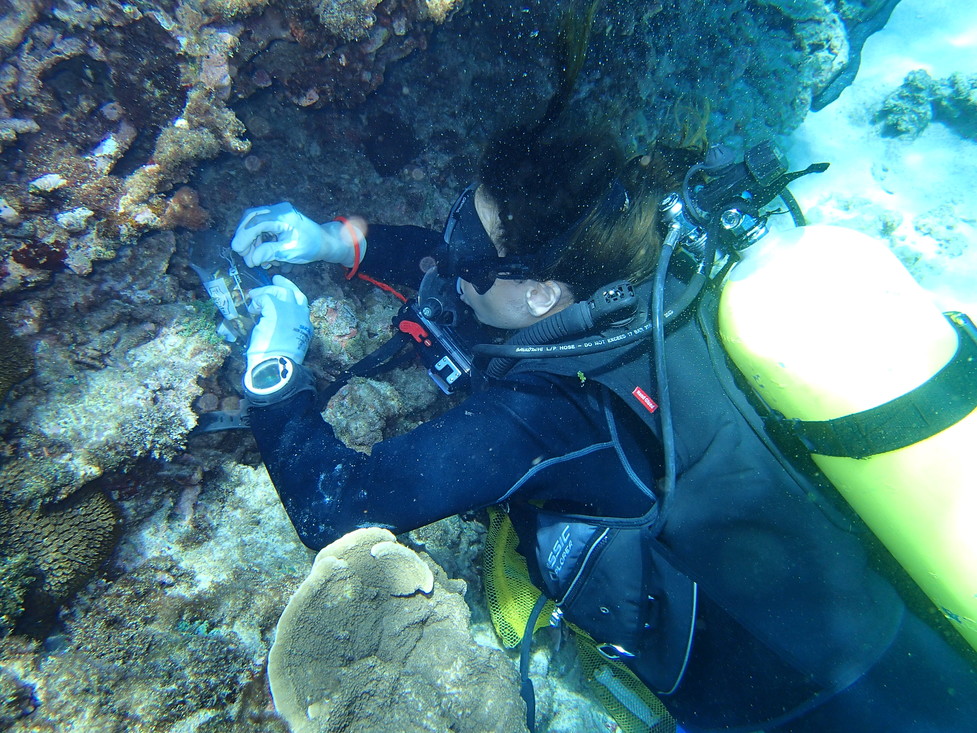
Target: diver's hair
[(570, 189), (621, 239), (541, 177), (544, 183), (618, 239), (551, 182)]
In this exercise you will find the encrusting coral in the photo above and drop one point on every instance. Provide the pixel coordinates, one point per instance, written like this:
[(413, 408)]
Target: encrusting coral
[(378, 637), (117, 372)]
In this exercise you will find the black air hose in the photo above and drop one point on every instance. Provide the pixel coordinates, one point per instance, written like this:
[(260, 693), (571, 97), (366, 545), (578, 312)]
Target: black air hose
[(573, 321)]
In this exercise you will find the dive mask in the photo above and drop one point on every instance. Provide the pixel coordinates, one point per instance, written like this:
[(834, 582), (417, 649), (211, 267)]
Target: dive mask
[(469, 253)]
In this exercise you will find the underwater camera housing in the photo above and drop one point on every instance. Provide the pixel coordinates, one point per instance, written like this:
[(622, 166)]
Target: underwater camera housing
[(431, 322)]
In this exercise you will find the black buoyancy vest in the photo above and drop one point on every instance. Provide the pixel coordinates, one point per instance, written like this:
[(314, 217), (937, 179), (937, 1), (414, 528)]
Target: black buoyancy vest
[(740, 528)]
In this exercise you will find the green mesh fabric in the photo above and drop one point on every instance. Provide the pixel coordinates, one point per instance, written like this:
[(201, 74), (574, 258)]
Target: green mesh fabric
[(511, 597)]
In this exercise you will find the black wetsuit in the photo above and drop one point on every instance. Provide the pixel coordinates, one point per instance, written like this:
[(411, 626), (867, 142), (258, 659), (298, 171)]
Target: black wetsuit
[(791, 628)]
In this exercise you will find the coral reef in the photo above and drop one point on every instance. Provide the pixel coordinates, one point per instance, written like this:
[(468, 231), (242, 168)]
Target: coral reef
[(366, 411), (360, 428), (103, 109), (455, 543), (179, 637), (112, 416), (142, 658), (350, 325), (115, 385), (921, 99), (377, 636), (117, 364), (956, 104), (862, 18), (759, 65)]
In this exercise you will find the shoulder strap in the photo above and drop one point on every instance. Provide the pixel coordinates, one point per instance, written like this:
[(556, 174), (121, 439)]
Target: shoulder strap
[(943, 400)]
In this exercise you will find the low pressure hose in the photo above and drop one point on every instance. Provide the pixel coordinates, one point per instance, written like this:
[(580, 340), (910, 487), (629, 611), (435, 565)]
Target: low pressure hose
[(572, 321), (700, 278), (667, 486)]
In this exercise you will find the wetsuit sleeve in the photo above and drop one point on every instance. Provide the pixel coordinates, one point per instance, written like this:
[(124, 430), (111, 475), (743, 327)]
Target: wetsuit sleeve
[(394, 253), (468, 458)]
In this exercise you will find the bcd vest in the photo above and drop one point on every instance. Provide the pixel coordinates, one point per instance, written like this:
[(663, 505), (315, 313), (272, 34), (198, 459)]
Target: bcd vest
[(744, 531)]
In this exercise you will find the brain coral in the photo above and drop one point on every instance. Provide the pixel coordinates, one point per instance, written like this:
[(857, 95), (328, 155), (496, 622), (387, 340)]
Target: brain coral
[(65, 544), (377, 638)]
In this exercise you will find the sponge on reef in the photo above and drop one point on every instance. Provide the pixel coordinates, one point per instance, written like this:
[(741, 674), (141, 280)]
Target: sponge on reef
[(378, 638)]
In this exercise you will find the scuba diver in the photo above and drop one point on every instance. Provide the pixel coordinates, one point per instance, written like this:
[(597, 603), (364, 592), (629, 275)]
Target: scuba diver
[(691, 552), (671, 531)]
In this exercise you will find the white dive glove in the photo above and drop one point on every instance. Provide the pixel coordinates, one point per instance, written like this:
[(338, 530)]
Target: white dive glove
[(283, 327), (293, 237)]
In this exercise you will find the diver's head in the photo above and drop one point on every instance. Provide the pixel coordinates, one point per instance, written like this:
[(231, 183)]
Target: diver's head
[(544, 183), (614, 238), (499, 289)]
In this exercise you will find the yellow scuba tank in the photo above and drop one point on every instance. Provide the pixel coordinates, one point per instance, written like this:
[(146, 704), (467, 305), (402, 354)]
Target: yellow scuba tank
[(833, 332)]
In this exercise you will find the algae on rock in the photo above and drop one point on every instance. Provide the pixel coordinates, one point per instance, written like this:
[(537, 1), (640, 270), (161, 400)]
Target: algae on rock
[(16, 362)]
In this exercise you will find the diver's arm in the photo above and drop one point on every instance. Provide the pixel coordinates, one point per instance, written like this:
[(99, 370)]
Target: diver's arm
[(396, 252), (280, 233), (470, 457)]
